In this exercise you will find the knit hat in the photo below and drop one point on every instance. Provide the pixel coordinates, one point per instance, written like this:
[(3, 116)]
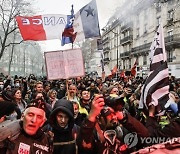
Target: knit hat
[(6, 108), (38, 103), (6, 95), (114, 101)]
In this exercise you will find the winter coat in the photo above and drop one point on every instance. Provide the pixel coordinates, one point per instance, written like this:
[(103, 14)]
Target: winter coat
[(64, 138), (170, 130), (90, 144), (20, 142)]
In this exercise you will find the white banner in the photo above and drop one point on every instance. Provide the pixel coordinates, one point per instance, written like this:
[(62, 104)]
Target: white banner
[(64, 64)]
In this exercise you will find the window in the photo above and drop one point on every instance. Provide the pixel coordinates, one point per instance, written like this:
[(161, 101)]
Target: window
[(124, 64), (115, 42), (170, 35), (137, 32), (145, 28), (137, 59), (169, 56), (129, 63), (128, 33), (145, 15), (158, 6), (158, 21), (145, 60), (170, 15), (125, 48), (137, 21)]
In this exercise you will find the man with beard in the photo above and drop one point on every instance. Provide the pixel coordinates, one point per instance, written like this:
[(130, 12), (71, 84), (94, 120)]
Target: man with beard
[(72, 93), (101, 132)]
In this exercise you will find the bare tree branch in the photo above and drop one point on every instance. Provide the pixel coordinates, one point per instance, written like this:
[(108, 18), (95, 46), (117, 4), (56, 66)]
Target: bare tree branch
[(12, 30), (14, 43)]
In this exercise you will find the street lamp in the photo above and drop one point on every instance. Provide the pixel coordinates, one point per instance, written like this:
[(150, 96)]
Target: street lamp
[(117, 52)]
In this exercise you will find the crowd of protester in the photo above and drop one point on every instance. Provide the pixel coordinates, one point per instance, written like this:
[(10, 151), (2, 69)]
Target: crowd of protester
[(81, 115)]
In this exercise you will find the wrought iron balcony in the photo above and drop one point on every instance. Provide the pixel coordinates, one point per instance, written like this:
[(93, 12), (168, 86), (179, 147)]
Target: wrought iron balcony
[(169, 21), (106, 60), (127, 39), (105, 40), (107, 49), (127, 27), (172, 41), (125, 54)]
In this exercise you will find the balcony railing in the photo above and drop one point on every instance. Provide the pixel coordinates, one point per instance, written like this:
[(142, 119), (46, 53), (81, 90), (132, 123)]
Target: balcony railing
[(105, 40), (128, 26), (127, 39), (107, 49), (125, 54), (173, 40), (175, 37), (169, 21), (106, 60), (140, 48)]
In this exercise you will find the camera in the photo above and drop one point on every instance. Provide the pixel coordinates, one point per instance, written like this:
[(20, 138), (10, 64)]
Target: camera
[(105, 111), (116, 102)]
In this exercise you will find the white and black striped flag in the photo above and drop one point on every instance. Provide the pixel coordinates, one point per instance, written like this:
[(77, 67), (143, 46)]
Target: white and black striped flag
[(155, 91)]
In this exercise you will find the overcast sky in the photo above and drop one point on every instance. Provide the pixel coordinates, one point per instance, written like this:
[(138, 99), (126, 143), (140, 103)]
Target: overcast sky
[(106, 8)]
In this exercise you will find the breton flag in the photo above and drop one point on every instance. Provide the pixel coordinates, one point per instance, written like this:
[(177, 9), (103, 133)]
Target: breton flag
[(54, 26), (156, 88), (86, 22)]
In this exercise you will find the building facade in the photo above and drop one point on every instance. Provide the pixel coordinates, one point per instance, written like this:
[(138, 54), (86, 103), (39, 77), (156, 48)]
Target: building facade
[(128, 38)]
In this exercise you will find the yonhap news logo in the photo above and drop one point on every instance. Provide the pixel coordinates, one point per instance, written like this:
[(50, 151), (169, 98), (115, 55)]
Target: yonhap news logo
[(131, 140)]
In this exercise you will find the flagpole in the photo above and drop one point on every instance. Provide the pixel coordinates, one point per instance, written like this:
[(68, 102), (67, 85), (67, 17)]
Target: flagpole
[(72, 15)]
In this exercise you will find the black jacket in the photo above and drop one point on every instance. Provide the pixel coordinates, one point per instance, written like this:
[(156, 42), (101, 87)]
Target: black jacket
[(170, 130), (89, 144), (64, 138), (20, 142)]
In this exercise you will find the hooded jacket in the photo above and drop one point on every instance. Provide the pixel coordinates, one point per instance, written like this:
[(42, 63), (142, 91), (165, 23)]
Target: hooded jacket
[(64, 142)]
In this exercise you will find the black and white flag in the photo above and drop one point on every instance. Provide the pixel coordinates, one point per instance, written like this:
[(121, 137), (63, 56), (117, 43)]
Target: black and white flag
[(155, 91)]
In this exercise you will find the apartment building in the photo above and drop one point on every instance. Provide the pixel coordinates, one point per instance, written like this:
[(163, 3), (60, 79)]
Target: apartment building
[(129, 36)]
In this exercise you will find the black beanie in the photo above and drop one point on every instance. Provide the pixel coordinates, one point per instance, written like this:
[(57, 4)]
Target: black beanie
[(7, 95), (6, 108)]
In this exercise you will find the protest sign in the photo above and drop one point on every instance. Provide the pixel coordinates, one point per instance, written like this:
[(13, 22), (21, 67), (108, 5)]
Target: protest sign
[(64, 64)]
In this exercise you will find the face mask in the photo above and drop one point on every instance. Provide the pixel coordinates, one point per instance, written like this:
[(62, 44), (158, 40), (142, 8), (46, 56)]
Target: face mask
[(17, 85), (1, 86)]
